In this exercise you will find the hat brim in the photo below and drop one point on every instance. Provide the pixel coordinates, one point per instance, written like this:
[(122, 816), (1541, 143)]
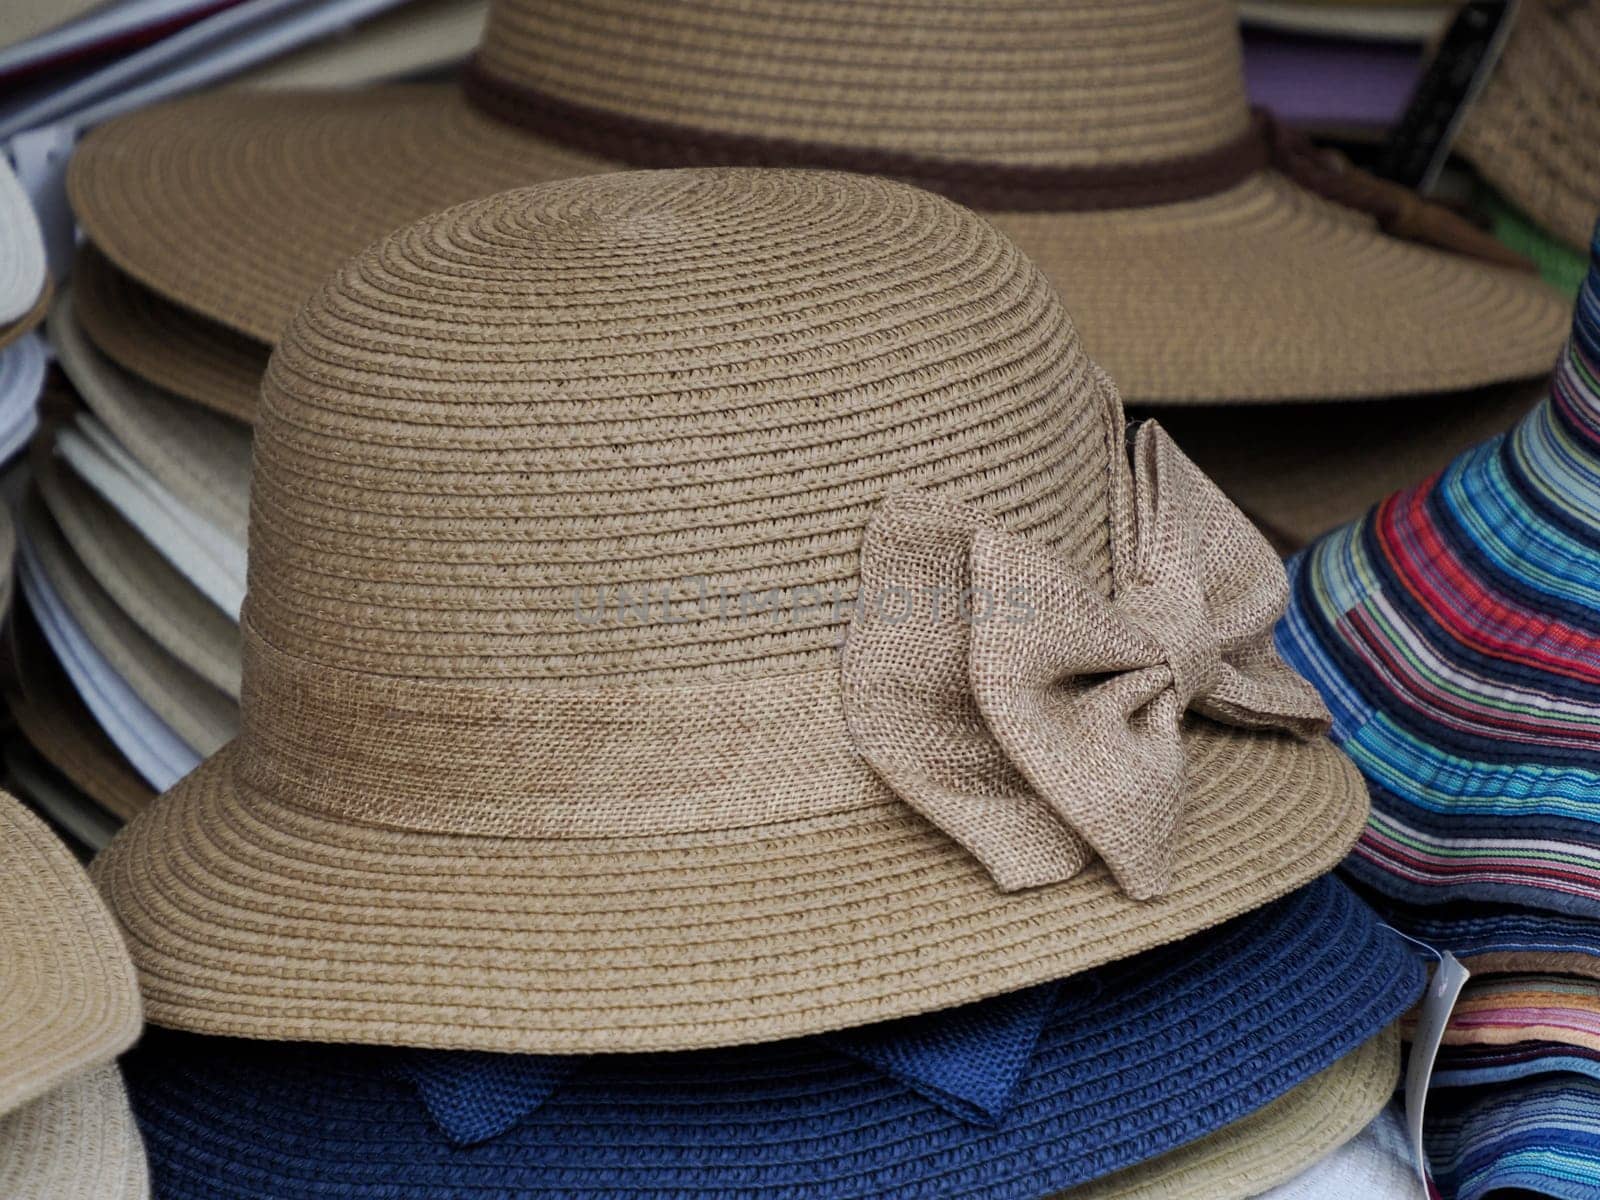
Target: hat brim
[(250, 917), (1299, 470), (1273, 1145), (142, 583), (77, 1142), (1242, 1018), (56, 723), (23, 273), (166, 345), (196, 711), (1262, 293), (70, 1001)]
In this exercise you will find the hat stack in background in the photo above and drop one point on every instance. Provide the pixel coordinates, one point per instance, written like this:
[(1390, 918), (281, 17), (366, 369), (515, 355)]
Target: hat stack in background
[(1455, 633), (751, 937), (484, 855)]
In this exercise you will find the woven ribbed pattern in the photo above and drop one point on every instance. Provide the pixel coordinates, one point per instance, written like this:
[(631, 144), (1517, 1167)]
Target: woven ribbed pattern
[(203, 716), (67, 995), (56, 723), (1540, 1138), (470, 811), (1502, 1010), (1455, 633), (76, 1142), (239, 210), (1493, 939), (1058, 83), (1534, 133), (169, 346), (1239, 1017), (144, 585)]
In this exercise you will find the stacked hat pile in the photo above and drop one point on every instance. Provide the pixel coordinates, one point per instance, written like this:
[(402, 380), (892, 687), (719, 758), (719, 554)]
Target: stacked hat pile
[(68, 1006), (24, 296), (1455, 632), (563, 852), (1345, 69)]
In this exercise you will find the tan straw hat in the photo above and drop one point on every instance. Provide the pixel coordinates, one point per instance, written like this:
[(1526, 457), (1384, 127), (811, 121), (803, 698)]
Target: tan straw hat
[(563, 501), (55, 722), (1534, 133), (1112, 142), (1273, 1144), (68, 1006), (164, 344), (143, 584)]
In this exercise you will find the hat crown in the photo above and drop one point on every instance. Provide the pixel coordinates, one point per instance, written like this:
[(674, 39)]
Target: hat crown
[(1039, 83), (630, 428)]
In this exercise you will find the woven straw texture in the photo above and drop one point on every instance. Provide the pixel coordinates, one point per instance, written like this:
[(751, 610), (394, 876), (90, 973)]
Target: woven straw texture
[(1262, 292), (67, 994), (1534, 133), (163, 343), (485, 434), (201, 457), (1270, 1146), (154, 595), (77, 1142), (57, 724), (1241, 1015), (201, 715)]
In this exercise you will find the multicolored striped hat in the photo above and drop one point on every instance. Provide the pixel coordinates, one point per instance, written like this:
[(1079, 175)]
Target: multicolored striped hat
[(1537, 1138), (1455, 634)]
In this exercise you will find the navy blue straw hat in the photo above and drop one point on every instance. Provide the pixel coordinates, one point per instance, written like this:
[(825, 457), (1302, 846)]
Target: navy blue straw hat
[(1009, 1099)]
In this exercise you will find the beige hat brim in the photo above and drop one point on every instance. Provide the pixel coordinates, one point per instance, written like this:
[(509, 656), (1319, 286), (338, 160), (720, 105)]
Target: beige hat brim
[(77, 1142), (163, 344), (200, 714), (1300, 470), (57, 724), (239, 210), (1273, 1144), (142, 583), (253, 918), (68, 1000)]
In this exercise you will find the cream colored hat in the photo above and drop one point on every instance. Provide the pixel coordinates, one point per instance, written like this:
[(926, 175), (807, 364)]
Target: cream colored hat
[(1113, 143), (1534, 133), (68, 1006), (563, 501)]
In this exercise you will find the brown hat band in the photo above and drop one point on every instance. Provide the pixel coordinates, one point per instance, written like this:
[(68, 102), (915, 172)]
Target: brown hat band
[(645, 142), (524, 760), (998, 187)]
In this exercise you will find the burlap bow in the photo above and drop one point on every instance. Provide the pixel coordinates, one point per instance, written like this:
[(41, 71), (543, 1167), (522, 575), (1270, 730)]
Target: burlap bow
[(1000, 693)]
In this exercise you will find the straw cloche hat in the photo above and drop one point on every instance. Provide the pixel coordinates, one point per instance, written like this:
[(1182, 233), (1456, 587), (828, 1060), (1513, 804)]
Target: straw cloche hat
[(1112, 142), (68, 1006), (562, 504)]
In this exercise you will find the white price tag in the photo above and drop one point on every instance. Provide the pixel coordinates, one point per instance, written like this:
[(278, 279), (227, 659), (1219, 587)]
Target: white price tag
[(1449, 977)]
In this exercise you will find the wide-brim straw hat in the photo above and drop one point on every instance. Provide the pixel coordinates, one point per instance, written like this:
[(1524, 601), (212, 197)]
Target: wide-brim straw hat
[(143, 584), (77, 1142), (1508, 1010), (1453, 632), (1020, 1096), (1480, 1066), (141, 734), (1113, 143), (697, 825), (1496, 939), (68, 1006), (163, 344), (53, 719), (414, 39), (1534, 132), (23, 273), (203, 716)]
